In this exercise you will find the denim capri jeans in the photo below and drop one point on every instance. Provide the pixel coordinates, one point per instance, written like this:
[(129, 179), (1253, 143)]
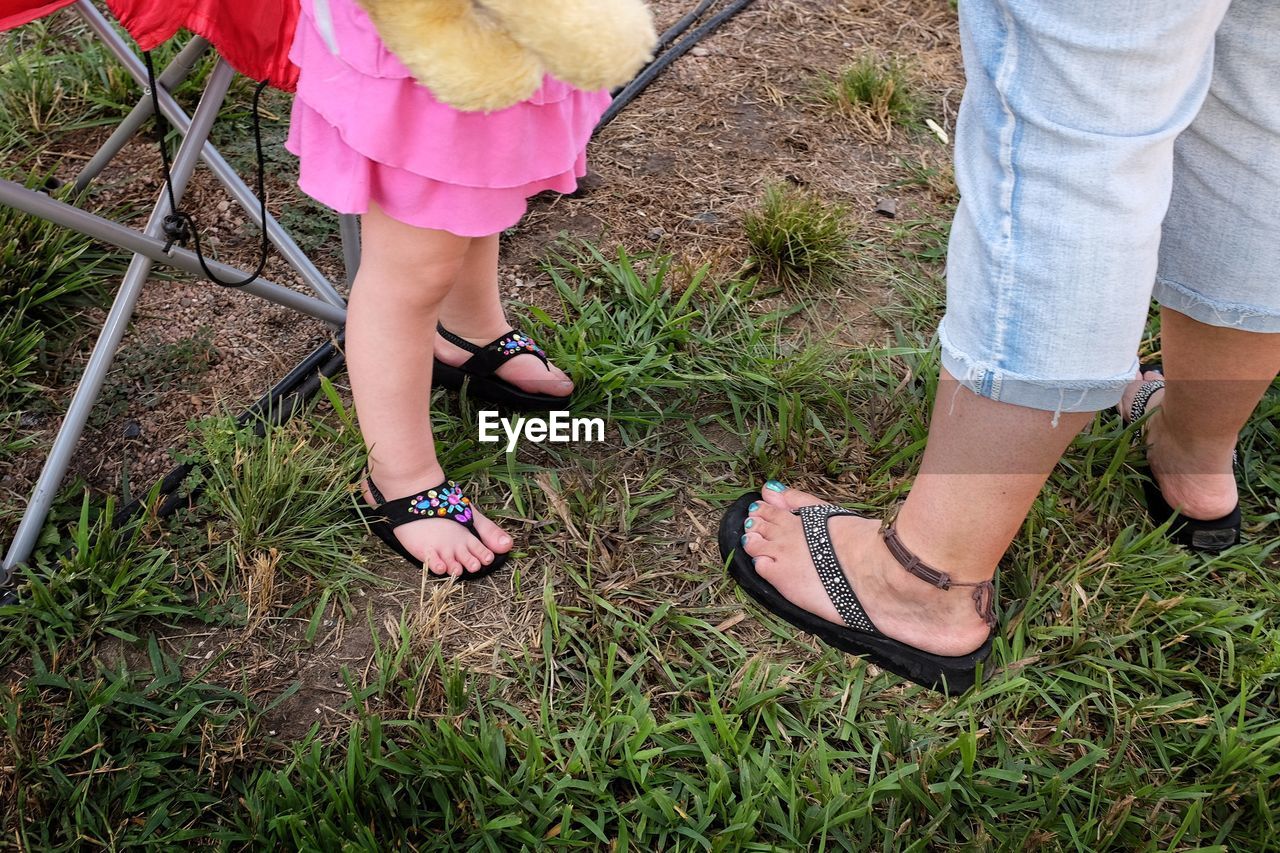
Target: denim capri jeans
[(1108, 151)]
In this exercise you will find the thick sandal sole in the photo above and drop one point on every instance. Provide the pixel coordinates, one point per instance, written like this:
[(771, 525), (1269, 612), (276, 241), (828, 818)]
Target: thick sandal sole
[(1210, 536), (493, 390), (387, 534), (950, 675)]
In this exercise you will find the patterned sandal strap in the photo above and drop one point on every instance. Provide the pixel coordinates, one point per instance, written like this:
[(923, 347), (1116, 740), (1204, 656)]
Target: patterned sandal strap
[(1141, 399), (485, 360), (817, 535), (444, 501), (1138, 407)]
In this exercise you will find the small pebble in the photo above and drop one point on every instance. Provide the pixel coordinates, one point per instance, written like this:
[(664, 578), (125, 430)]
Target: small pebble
[(707, 218), (700, 51), (887, 207), (656, 234), (133, 429)]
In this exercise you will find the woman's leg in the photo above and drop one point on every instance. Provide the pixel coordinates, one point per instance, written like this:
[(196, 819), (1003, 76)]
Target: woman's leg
[(1214, 378), (405, 274), (1220, 330), (1052, 256), (968, 502), (474, 311)]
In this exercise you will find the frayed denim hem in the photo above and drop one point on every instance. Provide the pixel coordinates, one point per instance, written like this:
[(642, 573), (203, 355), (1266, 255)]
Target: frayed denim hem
[(1050, 395), (1229, 315)]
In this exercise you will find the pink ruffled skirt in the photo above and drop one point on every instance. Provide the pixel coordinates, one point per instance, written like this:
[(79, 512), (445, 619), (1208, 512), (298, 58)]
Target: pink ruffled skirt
[(365, 131)]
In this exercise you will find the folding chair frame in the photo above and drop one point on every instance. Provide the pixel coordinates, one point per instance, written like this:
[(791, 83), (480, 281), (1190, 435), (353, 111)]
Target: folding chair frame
[(148, 246)]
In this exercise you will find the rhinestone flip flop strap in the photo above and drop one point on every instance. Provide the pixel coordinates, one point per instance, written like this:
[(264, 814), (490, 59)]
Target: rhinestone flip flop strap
[(488, 358), (984, 592), (1141, 399), (444, 501), (1138, 407), (817, 535)]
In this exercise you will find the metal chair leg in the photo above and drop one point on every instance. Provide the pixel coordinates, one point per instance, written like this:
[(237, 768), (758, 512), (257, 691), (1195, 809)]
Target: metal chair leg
[(104, 351)]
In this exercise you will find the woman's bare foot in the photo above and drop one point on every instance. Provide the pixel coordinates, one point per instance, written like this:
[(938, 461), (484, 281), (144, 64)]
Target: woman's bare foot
[(1196, 480), (943, 622), (525, 372), (445, 547)]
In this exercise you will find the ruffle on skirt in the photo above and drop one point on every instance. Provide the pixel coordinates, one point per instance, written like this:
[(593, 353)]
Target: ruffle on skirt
[(366, 131)]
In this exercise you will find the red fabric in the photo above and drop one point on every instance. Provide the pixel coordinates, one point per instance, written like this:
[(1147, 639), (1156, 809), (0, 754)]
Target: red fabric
[(253, 35), (15, 13)]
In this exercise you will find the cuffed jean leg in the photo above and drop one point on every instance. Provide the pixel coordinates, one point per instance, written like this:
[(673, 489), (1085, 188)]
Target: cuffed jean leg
[(1064, 160), (1220, 253)]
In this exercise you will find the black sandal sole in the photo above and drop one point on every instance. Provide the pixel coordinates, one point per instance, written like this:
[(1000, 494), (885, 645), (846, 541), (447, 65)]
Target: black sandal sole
[(386, 533), (949, 675), (491, 389), (1208, 536), (1211, 536)]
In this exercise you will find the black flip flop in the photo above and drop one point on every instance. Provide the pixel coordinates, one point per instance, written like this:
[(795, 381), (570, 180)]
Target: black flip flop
[(951, 675), (445, 501), (479, 373), (1208, 536)]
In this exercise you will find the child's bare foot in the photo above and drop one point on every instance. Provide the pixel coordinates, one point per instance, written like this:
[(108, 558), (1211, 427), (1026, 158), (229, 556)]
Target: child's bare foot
[(1196, 480), (445, 547), (901, 606), (527, 374)]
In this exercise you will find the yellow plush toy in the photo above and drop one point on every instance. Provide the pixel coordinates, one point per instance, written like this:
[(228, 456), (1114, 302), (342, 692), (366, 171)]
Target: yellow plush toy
[(490, 54)]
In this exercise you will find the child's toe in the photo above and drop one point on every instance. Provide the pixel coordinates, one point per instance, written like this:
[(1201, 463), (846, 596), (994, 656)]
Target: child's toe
[(468, 561), (479, 551), (434, 564), (492, 536)]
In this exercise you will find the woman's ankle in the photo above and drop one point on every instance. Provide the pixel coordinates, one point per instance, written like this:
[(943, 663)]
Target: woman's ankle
[(906, 607), (1185, 453)]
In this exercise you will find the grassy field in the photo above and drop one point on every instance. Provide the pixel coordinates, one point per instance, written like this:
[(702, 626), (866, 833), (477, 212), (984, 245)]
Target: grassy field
[(614, 691)]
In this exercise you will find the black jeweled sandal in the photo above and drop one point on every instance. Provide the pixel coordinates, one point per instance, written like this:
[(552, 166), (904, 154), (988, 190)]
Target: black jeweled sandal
[(1208, 536), (480, 371), (445, 501), (949, 674)]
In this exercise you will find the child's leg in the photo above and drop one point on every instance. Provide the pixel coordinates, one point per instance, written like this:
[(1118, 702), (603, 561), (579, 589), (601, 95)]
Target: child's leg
[(405, 274), (474, 310)]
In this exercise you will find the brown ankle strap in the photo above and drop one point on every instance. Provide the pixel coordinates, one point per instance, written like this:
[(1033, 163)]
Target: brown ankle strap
[(984, 592)]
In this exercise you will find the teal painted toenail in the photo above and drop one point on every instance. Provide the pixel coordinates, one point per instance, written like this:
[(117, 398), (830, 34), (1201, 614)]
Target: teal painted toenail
[(755, 506), (744, 539), (751, 522), (775, 486)]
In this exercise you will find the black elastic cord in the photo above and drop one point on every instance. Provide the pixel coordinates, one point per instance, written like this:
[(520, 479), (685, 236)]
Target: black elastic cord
[(179, 225), (678, 28), (633, 89)]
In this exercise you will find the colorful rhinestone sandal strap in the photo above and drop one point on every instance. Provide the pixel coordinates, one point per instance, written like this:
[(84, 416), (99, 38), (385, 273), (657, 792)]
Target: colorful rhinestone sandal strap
[(984, 592), (817, 535), (444, 501)]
